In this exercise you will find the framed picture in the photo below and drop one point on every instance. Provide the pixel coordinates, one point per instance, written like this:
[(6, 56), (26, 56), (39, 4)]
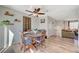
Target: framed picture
[(42, 20)]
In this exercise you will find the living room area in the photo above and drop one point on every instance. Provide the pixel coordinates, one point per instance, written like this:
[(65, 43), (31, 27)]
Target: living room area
[(48, 28)]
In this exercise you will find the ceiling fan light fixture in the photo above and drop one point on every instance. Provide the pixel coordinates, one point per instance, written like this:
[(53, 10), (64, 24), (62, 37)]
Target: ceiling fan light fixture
[(34, 14)]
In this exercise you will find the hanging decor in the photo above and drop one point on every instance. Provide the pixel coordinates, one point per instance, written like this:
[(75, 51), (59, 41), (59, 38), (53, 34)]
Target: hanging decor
[(8, 13), (16, 20), (42, 20)]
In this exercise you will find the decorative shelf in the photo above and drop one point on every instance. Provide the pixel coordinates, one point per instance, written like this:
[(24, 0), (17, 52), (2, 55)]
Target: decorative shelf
[(6, 22)]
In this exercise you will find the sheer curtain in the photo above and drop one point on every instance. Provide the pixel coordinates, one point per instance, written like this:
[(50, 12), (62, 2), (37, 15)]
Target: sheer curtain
[(6, 38), (1, 38)]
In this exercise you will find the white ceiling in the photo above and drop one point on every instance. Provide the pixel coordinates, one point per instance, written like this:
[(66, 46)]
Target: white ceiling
[(59, 12)]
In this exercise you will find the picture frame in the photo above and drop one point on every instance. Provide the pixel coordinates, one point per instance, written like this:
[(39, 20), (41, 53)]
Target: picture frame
[(42, 20)]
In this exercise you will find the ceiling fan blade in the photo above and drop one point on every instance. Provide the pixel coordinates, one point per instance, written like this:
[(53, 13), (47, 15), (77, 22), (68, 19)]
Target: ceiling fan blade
[(38, 9), (41, 13), (30, 14), (29, 11)]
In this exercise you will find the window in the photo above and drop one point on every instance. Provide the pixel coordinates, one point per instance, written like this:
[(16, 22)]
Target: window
[(73, 25)]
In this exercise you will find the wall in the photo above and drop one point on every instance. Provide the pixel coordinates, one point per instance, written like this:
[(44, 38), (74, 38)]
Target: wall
[(59, 27), (55, 26), (51, 26), (17, 27), (43, 25), (34, 22)]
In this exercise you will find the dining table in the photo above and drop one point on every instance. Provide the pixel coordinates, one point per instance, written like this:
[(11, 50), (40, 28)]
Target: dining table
[(36, 37)]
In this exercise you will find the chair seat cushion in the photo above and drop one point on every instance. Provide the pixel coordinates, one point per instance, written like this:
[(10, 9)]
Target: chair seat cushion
[(27, 41)]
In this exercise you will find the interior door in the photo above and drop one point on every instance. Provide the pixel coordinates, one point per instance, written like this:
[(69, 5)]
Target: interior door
[(26, 23)]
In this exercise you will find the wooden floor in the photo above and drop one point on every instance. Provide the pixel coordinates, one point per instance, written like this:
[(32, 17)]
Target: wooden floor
[(54, 45), (62, 45)]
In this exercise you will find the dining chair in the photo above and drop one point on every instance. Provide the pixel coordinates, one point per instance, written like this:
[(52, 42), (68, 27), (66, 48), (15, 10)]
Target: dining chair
[(27, 42), (41, 39)]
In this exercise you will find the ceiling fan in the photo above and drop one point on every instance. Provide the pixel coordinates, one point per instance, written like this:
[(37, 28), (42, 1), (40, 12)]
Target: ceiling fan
[(36, 12)]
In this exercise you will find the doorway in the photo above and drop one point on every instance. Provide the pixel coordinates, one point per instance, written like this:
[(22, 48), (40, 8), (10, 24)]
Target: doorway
[(26, 23)]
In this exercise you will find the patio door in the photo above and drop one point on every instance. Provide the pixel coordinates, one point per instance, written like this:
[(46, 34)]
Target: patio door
[(26, 23)]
